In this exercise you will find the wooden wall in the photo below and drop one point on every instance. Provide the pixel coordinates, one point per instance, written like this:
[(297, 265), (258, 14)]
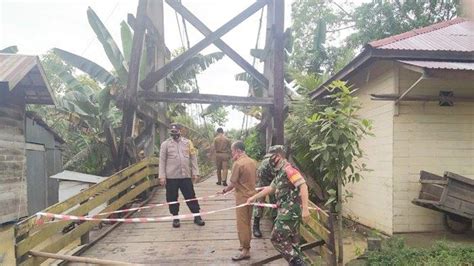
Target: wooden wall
[(12, 158)]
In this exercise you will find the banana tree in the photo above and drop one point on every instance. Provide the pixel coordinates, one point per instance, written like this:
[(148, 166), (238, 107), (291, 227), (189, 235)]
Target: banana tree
[(113, 82)]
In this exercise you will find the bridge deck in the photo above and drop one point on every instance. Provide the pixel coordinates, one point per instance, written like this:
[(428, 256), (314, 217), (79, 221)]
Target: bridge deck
[(159, 243)]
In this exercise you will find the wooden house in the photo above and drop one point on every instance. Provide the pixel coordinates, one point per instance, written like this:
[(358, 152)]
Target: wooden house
[(22, 82), (418, 89)]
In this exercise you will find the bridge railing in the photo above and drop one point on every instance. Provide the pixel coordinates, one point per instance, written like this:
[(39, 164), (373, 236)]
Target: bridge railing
[(319, 238), (318, 233), (110, 195)]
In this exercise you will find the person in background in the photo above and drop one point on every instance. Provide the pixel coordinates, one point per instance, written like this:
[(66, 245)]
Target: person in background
[(178, 164), (243, 179), (291, 193), (222, 148)]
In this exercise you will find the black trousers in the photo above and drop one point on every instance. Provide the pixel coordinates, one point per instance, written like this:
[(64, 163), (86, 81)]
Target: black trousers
[(187, 188)]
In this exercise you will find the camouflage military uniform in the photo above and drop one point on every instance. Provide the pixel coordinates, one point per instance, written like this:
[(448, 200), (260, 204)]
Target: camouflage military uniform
[(285, 234), (265, 176)]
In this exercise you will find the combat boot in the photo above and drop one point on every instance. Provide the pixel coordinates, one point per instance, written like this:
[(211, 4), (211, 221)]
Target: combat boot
[(297, 261), (256, 227), (176, 223), (199, 221)]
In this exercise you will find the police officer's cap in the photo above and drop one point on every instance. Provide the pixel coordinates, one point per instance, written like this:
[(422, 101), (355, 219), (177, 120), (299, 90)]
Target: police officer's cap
[(174, 128)]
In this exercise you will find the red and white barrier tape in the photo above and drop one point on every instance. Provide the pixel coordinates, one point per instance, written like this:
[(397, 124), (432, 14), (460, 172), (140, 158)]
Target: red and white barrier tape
[(64, 217), (161, 204), (167, 203)]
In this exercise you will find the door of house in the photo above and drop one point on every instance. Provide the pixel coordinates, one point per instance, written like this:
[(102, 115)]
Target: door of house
[(36, 178)]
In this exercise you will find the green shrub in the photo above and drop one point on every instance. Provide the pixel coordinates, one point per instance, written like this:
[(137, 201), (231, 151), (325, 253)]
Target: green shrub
[(253, 146)]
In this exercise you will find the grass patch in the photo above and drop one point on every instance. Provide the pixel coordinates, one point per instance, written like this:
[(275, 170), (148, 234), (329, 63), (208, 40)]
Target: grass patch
[(395, 252)]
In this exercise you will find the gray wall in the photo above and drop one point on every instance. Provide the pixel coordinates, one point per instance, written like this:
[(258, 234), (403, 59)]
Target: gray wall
[(42, 166)]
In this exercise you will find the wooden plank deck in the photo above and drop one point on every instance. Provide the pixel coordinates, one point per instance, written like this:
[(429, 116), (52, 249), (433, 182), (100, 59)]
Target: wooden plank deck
[(159, 243)]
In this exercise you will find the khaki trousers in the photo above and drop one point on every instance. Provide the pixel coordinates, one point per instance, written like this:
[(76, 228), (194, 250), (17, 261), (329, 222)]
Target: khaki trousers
[(244, 217), (222, 160)]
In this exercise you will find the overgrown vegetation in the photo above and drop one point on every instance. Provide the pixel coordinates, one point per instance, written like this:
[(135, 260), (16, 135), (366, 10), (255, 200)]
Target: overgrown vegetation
[(87, 115), (395, 252)]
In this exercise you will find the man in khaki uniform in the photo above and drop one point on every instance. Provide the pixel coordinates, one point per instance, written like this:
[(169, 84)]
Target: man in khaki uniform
[(243, 179), (222, 149), (178, 164)]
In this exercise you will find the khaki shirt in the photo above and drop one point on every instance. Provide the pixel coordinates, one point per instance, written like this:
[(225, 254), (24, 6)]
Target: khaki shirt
[(244, 176), (222, 144), (178, 159)]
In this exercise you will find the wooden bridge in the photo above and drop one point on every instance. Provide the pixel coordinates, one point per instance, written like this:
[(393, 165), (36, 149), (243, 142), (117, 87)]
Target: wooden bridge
[(38, 240)]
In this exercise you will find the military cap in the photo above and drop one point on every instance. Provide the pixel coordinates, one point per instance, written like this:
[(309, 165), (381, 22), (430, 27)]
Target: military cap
[(276, 148)]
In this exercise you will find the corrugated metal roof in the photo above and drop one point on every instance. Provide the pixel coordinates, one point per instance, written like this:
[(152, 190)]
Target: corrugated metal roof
[(13, 68), (440, 65), (76, 176), (25, 72), (453, 35)]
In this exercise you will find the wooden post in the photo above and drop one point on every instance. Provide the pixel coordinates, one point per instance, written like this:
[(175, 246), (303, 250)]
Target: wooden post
[(132, 81), (7, 245), (340, 243), (278, 70), (78, 259), (268, 72), (155, 13)]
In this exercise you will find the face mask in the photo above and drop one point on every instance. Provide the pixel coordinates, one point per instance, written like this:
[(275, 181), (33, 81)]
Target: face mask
[(175, 136), (274, 160)]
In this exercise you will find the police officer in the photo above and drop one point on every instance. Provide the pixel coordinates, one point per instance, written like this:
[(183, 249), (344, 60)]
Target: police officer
[(223, 153), (176, 155), (291, 193), (265, 174)]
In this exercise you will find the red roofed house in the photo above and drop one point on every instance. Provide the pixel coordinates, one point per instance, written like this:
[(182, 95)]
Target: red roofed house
[(418, 89)]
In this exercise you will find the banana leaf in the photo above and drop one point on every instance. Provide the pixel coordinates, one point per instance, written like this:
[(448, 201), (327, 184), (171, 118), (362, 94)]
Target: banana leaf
[(127, 37), (95, 71), (110, 47), (195, 65), (10, 50)]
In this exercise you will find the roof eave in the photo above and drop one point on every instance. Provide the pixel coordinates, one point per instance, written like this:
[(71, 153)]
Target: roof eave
[(360, 59), (369, 53)]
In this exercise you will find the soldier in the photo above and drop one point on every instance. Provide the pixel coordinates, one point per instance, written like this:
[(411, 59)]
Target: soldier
[(265, 175), (243, 178), (176, 155), (291, 193), (222, 148)]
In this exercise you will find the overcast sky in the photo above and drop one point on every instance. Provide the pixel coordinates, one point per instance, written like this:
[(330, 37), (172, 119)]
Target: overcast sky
[(36, 26)]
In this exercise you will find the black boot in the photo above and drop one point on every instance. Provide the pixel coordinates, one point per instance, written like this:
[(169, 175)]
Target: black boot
[(176, 223), (297, 261), (224, 184), (218, 183), (256, 227), (199, 221)]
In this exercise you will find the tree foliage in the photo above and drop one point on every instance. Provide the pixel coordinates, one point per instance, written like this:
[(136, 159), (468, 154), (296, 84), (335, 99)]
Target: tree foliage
[(324, 136), (380, 19), (327, 34)]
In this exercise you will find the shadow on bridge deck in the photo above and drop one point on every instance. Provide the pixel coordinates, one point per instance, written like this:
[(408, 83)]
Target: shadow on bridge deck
[(159, 243)]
